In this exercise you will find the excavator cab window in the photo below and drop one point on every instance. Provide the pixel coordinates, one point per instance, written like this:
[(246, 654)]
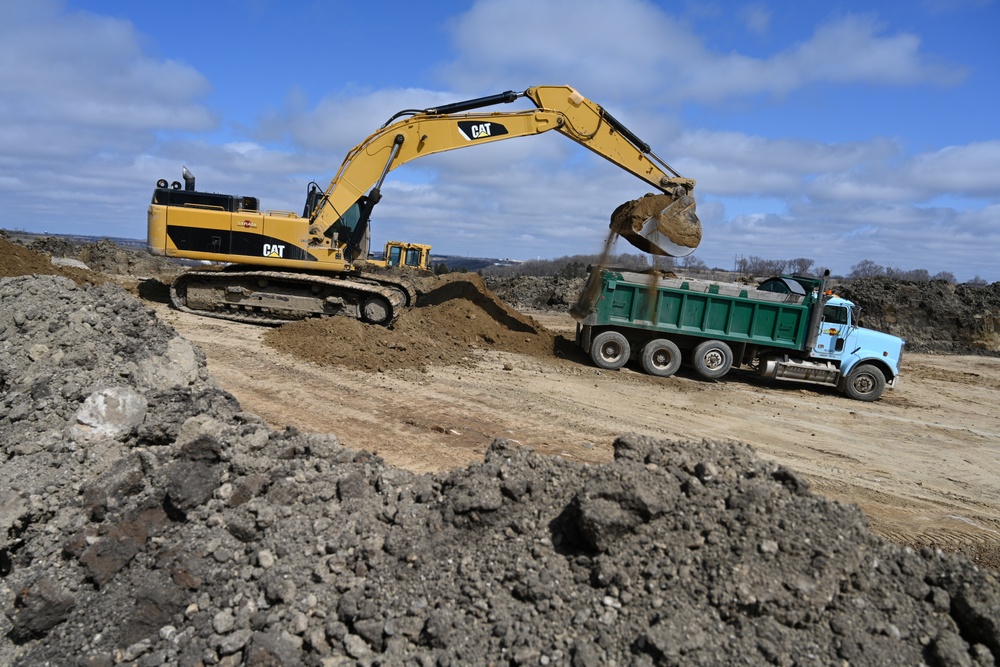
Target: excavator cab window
[(344, 227)]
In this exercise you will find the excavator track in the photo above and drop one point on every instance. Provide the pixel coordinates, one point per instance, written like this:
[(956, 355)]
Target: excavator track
[(278, 297)]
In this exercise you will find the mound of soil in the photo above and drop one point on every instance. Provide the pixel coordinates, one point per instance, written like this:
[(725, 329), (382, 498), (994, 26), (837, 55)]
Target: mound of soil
[(537, 292), (19, 261), (456, 316), (146, 520), (933, 316)]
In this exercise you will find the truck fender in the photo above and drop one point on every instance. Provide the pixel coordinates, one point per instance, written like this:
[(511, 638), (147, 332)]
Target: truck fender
[(853, 361)]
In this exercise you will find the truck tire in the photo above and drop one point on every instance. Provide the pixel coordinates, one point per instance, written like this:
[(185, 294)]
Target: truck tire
[(865, 382), (712, 359), (610, 350), (661, 357)]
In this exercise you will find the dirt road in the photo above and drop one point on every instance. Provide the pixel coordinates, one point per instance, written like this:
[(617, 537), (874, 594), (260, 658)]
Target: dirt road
[(923, 463)]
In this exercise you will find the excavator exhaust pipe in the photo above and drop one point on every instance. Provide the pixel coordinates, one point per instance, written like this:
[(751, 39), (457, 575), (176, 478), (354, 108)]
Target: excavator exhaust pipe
[(661, 224)]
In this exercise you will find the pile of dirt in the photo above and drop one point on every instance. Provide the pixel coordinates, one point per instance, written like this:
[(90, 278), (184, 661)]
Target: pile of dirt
[(933, 316), (537, 292), (456, 316), (109, 257), (104, 256), (19, 261), (148, 521)]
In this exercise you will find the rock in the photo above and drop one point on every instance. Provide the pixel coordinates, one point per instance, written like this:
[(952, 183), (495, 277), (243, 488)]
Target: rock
[(38, 608), (109, 413)]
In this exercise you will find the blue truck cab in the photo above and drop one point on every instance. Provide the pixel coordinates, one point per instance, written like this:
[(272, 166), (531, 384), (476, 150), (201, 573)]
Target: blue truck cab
[(851, 347)]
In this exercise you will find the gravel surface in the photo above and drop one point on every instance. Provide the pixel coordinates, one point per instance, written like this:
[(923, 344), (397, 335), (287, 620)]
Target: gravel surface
[(146, 519)]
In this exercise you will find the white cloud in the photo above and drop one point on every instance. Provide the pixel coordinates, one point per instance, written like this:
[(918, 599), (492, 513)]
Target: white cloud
[(79, 101), (757, 18), (971, 170), (89, 71), (343, 119), (634, 49), (844, 51), (732, 163), (840, 234), (610, 51)]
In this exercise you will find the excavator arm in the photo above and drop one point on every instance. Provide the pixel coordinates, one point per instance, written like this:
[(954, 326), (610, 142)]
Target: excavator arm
[(666, 225)]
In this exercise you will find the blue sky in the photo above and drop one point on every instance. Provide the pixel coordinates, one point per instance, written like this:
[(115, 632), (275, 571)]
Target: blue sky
[(835, 131)]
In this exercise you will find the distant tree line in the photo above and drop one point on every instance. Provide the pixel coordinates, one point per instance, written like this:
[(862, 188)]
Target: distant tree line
[(748, 267), (867, 268), (760, 266), (575, 266)]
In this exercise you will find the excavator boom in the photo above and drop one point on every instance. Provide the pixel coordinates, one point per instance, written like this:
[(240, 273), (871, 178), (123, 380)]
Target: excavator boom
[(672, 229)]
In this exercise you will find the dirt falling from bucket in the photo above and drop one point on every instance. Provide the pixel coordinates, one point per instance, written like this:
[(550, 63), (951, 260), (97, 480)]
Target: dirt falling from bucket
[(652, 291), (588, 296)]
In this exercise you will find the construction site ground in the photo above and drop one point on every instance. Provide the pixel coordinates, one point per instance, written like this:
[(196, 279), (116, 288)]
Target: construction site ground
[(921, 463)]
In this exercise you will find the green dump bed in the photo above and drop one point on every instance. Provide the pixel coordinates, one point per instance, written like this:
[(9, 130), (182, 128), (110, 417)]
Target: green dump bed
[(703, 309)]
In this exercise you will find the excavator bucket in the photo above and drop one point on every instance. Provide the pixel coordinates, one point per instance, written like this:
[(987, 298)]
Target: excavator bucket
[(660, 224)]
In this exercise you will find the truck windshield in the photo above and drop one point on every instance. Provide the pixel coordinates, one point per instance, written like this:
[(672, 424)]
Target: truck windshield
[(835, 315)]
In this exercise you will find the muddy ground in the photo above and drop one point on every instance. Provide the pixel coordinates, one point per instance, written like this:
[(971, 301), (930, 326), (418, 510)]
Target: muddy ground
[(206, 523)]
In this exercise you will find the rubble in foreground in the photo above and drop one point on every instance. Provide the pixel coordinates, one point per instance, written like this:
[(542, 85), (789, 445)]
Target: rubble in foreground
[(146, 519)]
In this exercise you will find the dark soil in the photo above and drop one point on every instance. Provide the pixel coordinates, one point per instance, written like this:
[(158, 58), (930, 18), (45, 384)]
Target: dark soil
[(933, 316), (145, 519), (456, 315), (19, 261)]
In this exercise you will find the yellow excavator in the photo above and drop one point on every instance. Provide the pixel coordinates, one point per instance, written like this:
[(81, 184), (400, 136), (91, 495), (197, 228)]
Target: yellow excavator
[(281, 266)]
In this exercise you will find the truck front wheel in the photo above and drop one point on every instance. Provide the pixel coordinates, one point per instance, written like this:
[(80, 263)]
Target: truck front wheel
[(661, 357), (610, 350), (865, 383), (712, 359)]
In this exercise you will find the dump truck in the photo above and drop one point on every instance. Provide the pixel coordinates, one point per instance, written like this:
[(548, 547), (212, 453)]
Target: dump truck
[(787, 328)]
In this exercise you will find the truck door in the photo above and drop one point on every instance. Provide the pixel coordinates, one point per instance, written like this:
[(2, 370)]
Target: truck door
[(832, 331)]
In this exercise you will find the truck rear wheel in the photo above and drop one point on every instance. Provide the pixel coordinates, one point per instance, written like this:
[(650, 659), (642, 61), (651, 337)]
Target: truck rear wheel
[(865, 383), (661, 357), (610, 350), (712, 359)]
